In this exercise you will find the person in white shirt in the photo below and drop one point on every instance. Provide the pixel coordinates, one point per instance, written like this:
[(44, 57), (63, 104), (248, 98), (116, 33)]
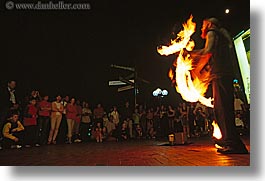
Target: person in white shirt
[(115, 115)]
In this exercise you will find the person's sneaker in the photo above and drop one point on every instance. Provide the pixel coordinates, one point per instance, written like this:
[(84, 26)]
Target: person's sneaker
[(27, 146), (68, 142), (77, 141), (37, 145), (15, 146), (230, 150)]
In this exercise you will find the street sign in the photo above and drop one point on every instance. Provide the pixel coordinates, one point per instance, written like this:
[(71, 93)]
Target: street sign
[(128, 87), (126, 81), (118, 82), (123, 67)]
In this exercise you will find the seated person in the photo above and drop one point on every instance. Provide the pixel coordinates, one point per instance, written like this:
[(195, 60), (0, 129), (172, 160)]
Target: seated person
[(104, 133), (13, 132), (124, 133), (139, 131), (151, 133), (97, 133)]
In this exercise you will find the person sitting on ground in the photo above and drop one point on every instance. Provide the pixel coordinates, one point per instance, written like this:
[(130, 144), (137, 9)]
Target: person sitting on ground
[(97, 133), (104, 133), (151, 133), (124, 132), (139, 131), (110, 126), (13, 132)]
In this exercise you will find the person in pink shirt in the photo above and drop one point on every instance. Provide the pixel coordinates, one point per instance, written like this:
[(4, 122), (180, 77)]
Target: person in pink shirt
[(71, 113), (77, 122)]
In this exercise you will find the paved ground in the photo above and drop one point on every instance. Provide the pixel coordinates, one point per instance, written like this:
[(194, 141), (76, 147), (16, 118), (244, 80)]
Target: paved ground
[(200, 152)]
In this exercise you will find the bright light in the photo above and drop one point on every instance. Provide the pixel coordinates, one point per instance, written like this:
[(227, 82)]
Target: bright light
[(155, 93), (227, 11), (159, 91), (164, 92)]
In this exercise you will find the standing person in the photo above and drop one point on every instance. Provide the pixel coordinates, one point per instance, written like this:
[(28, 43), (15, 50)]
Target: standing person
[(157, 119), (126, 114), (238, 105), (171, 115), (220, 48), (142, 113), (126, 111), (85, 122), (71, 113), (163, 121), (184, 119), (149, 118), (44, 114), (136, 119), (116, 116), (77, 122), (62, 134), (30, 123), (191, 119), (56, 118), (98, 114)]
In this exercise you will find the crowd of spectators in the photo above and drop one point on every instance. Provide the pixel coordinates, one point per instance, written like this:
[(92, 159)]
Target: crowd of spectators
[(43, 120)]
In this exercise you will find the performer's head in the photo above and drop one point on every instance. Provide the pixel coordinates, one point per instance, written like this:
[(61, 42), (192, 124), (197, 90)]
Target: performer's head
[(209, 23)]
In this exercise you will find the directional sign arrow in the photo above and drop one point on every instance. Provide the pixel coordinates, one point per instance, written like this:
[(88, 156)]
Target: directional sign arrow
[(128, 87)]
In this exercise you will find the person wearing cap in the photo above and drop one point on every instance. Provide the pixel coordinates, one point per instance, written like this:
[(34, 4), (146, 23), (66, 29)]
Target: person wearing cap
[(221, 57)]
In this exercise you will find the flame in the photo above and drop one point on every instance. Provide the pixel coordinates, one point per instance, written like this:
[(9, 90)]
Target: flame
[(191, 82), (181, 41), (216, 131), (171, 74)]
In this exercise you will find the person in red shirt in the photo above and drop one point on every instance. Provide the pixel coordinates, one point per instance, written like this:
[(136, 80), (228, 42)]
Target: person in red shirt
[(98, 114), (30, 123), (44, 114), (77, 122), (71, 113)]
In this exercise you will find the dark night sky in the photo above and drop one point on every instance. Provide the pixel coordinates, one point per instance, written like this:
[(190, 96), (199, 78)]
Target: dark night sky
[(70, 52)]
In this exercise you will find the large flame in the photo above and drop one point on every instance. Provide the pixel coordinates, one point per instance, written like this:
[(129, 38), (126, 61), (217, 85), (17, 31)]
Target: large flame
[(216, 131), (191, 81)]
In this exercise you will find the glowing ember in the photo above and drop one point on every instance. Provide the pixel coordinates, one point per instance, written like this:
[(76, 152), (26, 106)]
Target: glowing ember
[(192, 87), (216, 131)]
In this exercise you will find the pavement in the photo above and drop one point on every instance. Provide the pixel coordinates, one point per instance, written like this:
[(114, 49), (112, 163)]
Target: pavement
[(198, 152)]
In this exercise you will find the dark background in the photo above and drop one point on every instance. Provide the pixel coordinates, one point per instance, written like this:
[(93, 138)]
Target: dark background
[(70, 52)]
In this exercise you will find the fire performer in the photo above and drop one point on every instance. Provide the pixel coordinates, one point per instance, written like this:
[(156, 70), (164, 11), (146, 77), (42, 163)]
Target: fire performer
[(219, 45)]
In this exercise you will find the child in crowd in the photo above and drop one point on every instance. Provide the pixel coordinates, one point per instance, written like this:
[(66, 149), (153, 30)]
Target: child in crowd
[(98, 132), (13, 132), (124, 134), (151, 133), (139, 131), (104, 133), (30, 123)]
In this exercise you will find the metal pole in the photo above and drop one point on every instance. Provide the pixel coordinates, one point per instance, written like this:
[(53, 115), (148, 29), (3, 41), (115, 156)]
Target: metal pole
[(135, 87)]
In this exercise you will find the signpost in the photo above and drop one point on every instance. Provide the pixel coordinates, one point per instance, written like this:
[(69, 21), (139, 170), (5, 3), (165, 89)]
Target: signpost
[(118, 82), (128, 87), (130, 81)]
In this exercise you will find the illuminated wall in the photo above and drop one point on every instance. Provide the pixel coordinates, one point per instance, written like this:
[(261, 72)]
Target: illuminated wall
[(242, 47)]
